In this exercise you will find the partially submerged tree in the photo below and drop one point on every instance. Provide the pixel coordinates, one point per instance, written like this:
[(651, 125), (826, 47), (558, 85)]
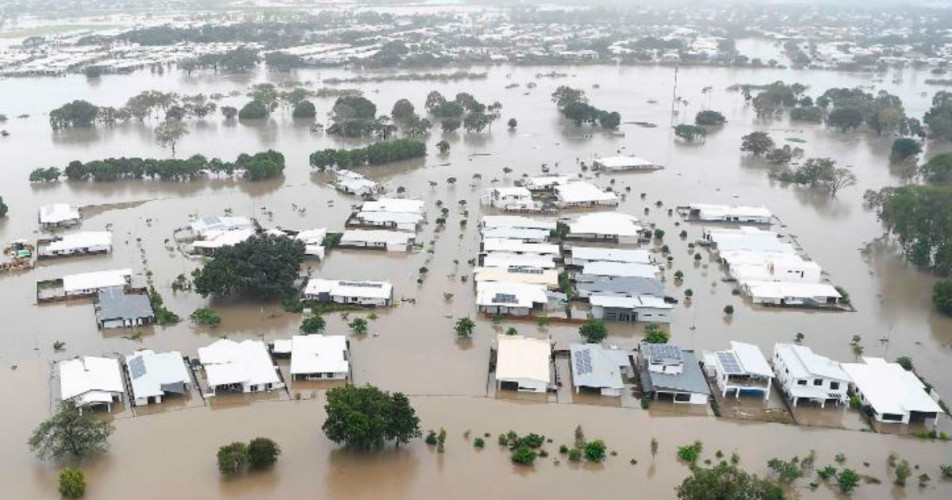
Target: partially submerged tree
[(757, 143), (168, 133), (70, 434), (726, 482), (262, 266), (593, 331), (366, 417)]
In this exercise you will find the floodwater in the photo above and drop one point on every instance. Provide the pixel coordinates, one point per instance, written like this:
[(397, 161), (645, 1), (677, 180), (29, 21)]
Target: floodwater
[(412, 348)]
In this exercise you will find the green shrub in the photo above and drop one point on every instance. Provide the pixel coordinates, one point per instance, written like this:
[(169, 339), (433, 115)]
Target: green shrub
[(232, 458), (262, 453), (575, 455), (595, 451), (479, 443), (523, 455), (72, 483)]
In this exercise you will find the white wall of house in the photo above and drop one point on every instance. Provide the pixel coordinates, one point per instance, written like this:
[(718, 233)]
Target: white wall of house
[(525, 385)]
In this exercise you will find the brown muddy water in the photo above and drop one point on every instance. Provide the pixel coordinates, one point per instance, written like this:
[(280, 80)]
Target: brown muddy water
[(169, 452)]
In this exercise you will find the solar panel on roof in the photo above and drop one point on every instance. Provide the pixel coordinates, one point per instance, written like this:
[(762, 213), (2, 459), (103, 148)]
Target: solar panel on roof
[(136, 367), (583, 362), (364, 284), (505, 298), (729, 362)]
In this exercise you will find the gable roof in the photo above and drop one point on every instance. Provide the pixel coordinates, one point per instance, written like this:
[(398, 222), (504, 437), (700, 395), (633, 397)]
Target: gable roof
[(521, 357), (889, 388), (229, 362), (592, 366), (90, 379), (319, 354), (155, 374), (609, 223), (802, 362)]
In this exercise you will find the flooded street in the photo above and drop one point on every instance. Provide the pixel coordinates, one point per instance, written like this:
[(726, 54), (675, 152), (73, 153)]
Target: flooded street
[(412, 348)]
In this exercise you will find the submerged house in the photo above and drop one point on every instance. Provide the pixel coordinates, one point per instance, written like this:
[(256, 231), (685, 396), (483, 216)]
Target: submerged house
[(548, 278), (523, 364), (117, 308), (519, 247), (583, 195), (204, 225), (546, 182), (777, 293), (313, 240), (507, 260), (397, 221), (365, 293), (589, 286), (624, 163), (89, 381), (156, 375), (516, 222), (515, 299), (244, 366), (806, 375), (59, 215), (611, 227), (391, 241), (580, 255), (408, 205), (87, 284), (742, 370), (667, 371), (85, 243), (620, 270), (640, 308), (726, 213), (519, 234), (356, 184), (744, 265), (511, 199), (894, 394), (597, 368), (316, 357), (214, 240)]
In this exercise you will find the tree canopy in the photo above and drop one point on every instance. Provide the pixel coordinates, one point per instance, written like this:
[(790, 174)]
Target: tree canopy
[(70, 434), (709, 118), (574, 106), (74, 114), (374, 154), (920, 217), (726, 482), (262, 266), (366, 417), (593, 331), (756, 143), (939, 116)]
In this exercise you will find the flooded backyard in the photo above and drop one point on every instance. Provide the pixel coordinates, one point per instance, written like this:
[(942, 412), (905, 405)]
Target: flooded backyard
[(412, 348)]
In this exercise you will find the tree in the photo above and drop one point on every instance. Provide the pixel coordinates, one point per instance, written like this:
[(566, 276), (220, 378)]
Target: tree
[(464, 327), (262, 266), (787, 471), (304, 109), (845, 119), (74, 114), (942, 297), (847, 481), (205, 316), (253, 110), (905, 148), (593, 331), (709, 118), (314, 324), (655, 335), (3, 208), (283, 61), (839, 179), (689, 133), (523, 455), (50, 174), (72, 483), (726, 482), (451, 124), (229, 112), (358, 326), (756, 143), (594, 451), (402, 110), (443, 147), (902, 472), (262, 453), (168, 133), (232, 459), (938, 170), (919, 217), (366, 417), (807, 114), (70, 434), (475, 122), (939, 117), (512, 124), (404, 424), (265, 93)]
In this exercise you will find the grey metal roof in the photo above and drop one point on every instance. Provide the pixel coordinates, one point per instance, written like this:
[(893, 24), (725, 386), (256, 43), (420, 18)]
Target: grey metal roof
[(690, 380), (115, 303), (593, 367), (630, 286)]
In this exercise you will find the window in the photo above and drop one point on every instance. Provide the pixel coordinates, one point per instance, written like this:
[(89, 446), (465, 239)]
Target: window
[(834, 386), (801, 382), (818, 381)]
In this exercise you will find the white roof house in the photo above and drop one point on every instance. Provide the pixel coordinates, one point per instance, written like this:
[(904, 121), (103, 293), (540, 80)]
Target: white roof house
[(313, 241), (506, 259), (804, 374), (791, 294), (392, 241), (583, 194), (517, 299), (394, 205), (204, 225), (359, 186), (747, 238), (516, 221), (319, 357), (59, 214), (377, 293), (728, 213), (595, 367), (91, 381), (215, 239), (401, 221), (89, 283), (742, 370), (620, 269), (523, 363), (153, 375), (516, 246), (517, 233), (548, 278), (894, 394), (77, 243), (546, 182), (579, 255), (244, 366), (622, 163), (611, 226), (511, 198), (783, 267), (643, 308)]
